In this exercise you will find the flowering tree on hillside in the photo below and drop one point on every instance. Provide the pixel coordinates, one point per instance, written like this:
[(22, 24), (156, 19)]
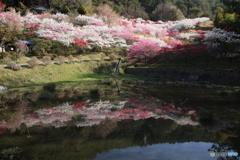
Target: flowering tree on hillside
[(12, 20), (108, 15), (2, 6), (223, 43), (125, 32), (62, 32), (144, 49)]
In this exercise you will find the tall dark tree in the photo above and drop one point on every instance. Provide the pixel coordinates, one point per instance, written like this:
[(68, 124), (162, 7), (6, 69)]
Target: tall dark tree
[(232, 5)]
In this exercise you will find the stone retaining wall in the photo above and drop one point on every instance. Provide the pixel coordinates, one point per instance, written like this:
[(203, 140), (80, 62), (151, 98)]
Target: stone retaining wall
[(187, 75)]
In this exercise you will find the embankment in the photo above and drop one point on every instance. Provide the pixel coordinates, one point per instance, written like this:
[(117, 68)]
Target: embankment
[(219, 77)]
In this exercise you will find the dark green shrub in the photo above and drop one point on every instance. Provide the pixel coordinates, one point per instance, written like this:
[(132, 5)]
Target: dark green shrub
[(104, 67), (65, 10), (42, 47), (82, 10), (113, 109), (79, 117), (195, 12), (224, 19)]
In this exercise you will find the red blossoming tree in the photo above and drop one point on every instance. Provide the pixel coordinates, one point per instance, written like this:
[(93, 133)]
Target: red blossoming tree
[(80, 42), (2, 6)]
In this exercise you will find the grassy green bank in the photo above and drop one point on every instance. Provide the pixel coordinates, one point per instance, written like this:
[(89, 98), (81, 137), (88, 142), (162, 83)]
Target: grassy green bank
[(53, 73), (66, 72)]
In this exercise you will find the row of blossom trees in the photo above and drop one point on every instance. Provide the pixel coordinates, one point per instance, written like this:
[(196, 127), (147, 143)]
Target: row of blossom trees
[(144, 39)]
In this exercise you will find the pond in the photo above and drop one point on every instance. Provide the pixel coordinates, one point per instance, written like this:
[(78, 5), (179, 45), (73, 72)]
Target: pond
[(120, 120)]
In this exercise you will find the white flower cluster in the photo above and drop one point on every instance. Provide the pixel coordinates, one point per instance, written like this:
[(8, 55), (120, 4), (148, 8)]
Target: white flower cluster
[(84, 20), (217, 36), (120, 42), (125, 20), (201, 20), (101, 36), (57, 116), (187, 23), (98, 111), (30, 19), (182, 120), (188, 36), (62, 32), (140, 20), (60, 17), (184, 24)]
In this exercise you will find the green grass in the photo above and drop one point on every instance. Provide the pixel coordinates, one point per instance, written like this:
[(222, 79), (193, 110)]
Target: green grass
[(73, 72)]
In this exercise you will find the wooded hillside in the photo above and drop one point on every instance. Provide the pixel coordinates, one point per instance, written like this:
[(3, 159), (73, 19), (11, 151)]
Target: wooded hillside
[(151, 9)]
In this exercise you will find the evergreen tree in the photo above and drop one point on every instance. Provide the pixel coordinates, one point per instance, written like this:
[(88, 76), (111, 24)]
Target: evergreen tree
[(65, 10), (82, 10)]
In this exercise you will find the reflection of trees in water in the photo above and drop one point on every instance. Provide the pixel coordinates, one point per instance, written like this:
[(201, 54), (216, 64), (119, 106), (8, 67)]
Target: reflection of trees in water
[(105, 127), (210, 121), (11, 102), (110, 134), (220, 148), (32, 96), (228, 139)]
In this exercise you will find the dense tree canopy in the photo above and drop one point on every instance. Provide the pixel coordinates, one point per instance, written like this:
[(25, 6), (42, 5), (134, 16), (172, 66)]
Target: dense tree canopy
[(229, 16), (206, 7), (135, 8)]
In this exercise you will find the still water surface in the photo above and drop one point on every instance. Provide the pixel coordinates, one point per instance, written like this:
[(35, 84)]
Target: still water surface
[(119, 121), (181, 151)]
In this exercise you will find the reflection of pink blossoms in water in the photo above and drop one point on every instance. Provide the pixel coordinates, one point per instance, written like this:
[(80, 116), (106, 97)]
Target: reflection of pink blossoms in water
[(88, 114)]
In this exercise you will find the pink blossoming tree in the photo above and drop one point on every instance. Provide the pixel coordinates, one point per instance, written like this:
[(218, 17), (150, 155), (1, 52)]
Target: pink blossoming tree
[(142, 50)]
